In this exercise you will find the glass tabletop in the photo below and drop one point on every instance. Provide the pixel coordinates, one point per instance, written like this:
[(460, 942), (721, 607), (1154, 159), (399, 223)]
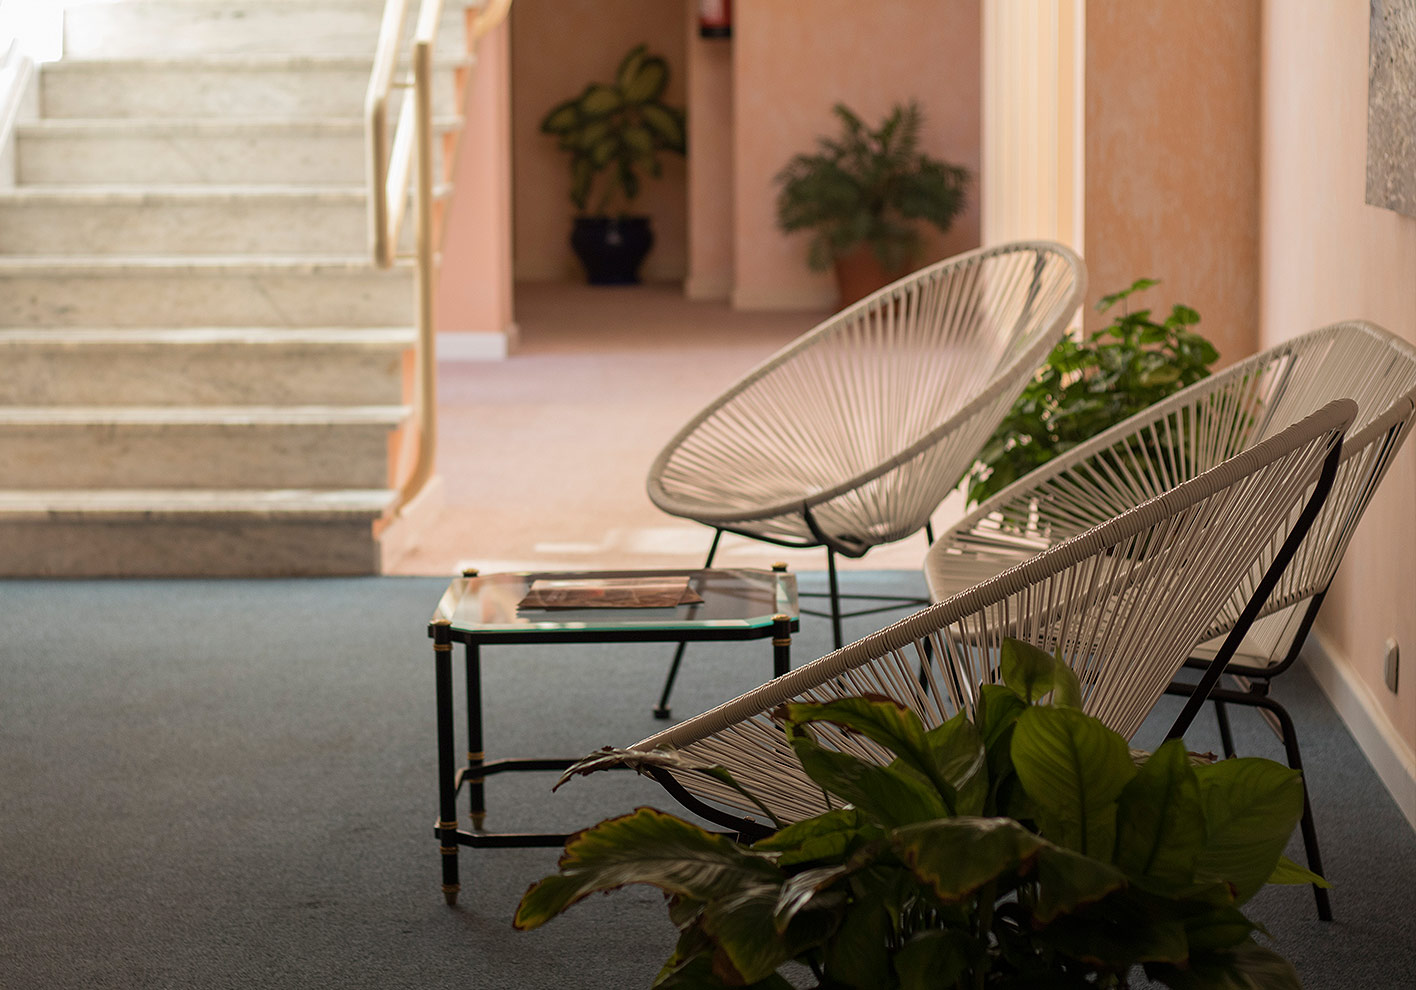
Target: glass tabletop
[(736, 598)]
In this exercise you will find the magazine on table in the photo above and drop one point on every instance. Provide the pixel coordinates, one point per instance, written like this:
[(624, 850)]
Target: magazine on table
[(626, 592)]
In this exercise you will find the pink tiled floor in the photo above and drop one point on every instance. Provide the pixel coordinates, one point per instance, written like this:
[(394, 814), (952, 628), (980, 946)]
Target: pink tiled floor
[(543, 457)]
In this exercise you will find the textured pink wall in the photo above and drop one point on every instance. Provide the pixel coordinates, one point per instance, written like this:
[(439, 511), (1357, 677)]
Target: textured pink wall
[(792, 61), (1172, 166), (557, 47), (1328, 256), (474, 282)]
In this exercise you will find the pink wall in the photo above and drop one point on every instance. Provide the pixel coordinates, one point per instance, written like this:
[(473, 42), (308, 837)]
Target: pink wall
[(474, 282), (1328, 256), (1172, 159), (792, 61), (710, 166), (557, 47)]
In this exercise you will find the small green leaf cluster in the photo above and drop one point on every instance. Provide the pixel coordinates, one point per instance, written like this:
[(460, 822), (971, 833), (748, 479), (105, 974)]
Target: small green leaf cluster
[(1025, 848), (869, 186), (1087, 386), (617, 130)]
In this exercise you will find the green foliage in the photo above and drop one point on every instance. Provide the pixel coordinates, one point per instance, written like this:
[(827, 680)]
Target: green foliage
[(1090, 385), (617, 131), (869, 187), (925, 880)]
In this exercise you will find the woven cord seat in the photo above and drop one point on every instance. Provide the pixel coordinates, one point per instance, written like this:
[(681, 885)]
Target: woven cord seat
[(853, 434), (1123, 603), (1176, 440)]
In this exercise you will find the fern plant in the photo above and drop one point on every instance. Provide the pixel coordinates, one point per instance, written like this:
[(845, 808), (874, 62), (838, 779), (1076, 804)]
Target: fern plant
[(869, 186)]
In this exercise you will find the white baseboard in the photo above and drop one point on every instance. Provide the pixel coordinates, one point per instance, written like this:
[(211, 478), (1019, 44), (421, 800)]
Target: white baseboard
[(821, 298), (478, 345), (1389, 754)]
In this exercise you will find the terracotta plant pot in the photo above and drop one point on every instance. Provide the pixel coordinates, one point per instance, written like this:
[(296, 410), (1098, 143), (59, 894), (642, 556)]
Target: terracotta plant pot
[(860, 273)]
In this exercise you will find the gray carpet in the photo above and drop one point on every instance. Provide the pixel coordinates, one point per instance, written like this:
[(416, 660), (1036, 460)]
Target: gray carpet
[(231, 784)]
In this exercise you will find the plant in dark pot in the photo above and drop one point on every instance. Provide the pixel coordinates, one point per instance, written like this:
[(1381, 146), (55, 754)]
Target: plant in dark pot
[(1026, 847), (613, 133), (864, 195)]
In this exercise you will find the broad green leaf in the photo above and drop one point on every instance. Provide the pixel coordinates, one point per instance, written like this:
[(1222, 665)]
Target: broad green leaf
[(751, 948), (592, 134), (888, 795), (1289, 872), (667, 123), (958, 751), (1027, 670), (1066, 880), (935, 958), (1073, 768), (603, 150), (649, 847), (889, 723), (957, 856), (1251, 806), (599, 100), (1117, 941), (648, 81), (998, 708), (629, 66), (857, 953), (1066, 689), (1218, 928), (802, 890), (697, 974), (1160, 823), (825, 836), (1247, 967), (582, 173), (561, 118), (638, 139)]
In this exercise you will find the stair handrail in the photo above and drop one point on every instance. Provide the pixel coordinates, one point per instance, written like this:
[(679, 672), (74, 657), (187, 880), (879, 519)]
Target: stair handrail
[(390, 170)]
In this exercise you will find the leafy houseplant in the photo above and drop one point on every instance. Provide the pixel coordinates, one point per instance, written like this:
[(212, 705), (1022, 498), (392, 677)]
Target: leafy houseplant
[(1087, 386), (1026, 848), (862, 196), (613, 132)]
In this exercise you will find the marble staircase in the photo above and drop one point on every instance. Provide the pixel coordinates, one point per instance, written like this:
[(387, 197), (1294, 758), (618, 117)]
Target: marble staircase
[(201, 371)]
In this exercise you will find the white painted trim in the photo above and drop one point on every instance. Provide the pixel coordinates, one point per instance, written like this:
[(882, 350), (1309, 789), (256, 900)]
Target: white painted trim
[(477, 345), (1389, 754), (819, 299)]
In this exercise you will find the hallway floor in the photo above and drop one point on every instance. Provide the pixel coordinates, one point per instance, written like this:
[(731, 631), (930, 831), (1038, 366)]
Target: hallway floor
[(543, 457)]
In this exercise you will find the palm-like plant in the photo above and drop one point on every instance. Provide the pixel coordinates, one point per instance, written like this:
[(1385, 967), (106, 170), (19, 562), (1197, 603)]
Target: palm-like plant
[(871, 187)]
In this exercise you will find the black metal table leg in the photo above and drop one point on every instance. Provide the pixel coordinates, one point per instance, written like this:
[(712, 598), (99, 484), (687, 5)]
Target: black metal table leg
[(476, 750), (447, 785), (781, 644)]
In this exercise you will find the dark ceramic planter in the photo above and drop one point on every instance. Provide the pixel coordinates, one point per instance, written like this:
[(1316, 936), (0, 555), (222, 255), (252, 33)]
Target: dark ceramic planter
[(611, 248)]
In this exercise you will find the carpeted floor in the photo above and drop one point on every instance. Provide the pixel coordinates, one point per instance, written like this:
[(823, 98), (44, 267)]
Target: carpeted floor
[(231, 784)]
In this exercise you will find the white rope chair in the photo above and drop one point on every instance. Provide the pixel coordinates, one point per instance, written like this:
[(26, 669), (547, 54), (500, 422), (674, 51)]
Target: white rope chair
[(853, 434), (1124, 603), (1185, 435)]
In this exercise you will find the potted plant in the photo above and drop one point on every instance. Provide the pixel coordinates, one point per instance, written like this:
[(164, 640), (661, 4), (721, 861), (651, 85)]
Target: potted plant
[(1027, 847), (613, 133), (863, 196), (1089, 385)]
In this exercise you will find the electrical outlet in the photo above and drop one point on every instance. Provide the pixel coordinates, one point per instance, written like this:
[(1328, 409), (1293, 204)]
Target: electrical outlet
[(1391, 664)]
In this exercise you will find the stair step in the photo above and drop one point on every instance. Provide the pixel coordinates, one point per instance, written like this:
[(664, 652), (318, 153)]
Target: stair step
[(198, 151), (165, 27), (76, 447), (155, 292), (184, 220), (229, 533), (203, 366), (225, 86)]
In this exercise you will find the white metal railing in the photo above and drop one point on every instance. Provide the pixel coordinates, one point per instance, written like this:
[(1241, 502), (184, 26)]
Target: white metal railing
[(392, 157)]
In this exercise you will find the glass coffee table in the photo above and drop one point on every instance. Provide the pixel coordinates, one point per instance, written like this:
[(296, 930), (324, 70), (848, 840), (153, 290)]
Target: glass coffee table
[(486, 610)]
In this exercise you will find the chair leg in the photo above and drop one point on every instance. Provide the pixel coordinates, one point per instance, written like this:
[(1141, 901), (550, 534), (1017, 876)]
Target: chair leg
[(1226, 735), (662, 709), (1309, 827), (835, 598)]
